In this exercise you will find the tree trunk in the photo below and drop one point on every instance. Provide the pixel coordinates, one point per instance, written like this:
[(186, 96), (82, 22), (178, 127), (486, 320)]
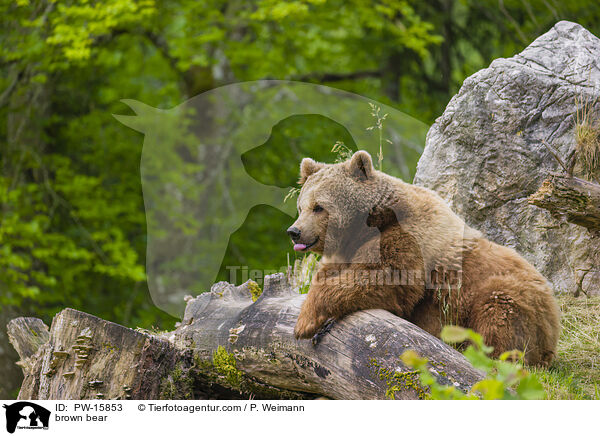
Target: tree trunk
[(12, 376), (229, 346), (570, 198)]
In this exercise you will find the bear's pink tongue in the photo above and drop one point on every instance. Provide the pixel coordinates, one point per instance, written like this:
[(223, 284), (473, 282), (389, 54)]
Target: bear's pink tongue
[(299, 247)]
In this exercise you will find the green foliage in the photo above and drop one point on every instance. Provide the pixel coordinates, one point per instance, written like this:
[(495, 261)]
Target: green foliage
[(277, 161), (57, 240), (305, 270), (504, 380), (226, 365)]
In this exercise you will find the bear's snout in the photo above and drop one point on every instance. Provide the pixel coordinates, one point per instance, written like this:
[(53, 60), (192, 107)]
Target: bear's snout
[(294, 233)]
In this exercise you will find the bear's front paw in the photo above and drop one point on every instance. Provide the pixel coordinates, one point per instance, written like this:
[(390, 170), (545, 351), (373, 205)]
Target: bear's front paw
[(326, 328), (306, 327)]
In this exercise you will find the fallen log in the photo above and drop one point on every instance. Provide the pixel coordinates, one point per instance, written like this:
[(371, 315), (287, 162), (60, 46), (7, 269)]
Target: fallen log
[(230, 346), (85, 357), (569, 198)]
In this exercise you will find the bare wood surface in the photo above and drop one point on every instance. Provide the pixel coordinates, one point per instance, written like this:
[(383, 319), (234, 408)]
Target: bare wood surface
[(575, 200), (27, 335), (87, 357)]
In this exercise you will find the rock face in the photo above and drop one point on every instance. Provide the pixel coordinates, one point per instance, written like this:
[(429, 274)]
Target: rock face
[(485, 155)]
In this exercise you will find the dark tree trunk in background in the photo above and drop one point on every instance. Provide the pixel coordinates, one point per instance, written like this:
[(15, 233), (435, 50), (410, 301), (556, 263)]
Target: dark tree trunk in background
[(446, 46), (11, 375), (397, 61)]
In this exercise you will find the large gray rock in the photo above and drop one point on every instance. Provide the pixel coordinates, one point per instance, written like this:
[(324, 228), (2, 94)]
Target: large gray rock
[(485, 154)]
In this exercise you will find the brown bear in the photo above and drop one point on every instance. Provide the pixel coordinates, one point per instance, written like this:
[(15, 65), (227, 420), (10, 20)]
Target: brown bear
[(391, 245)]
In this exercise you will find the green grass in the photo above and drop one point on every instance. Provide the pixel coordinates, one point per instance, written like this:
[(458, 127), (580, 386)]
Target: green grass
[(303, 272), (575, 373), (588, 148), (587, 138)]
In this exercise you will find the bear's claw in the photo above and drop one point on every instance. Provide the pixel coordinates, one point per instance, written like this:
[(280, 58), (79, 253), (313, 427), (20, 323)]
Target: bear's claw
[(326, 328)]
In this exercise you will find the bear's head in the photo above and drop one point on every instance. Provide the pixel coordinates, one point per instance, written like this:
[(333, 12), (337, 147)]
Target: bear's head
[(339, 205)]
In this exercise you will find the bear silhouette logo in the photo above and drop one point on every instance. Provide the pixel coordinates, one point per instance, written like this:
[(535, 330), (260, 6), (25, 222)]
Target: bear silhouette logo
[(197, 188), (26, 415)]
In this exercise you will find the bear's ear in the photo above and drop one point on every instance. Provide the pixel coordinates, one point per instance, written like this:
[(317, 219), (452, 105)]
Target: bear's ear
[(307, 168), (361, 165)]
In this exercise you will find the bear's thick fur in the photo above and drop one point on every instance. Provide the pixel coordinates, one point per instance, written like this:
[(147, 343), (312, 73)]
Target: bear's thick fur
[(391, 245)]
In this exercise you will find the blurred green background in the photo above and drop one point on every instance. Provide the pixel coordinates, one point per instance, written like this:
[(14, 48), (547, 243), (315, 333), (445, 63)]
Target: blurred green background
[(72, 224)]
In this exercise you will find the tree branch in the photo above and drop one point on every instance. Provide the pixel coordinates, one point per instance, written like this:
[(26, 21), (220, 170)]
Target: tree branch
[(337, 77), (570, 198), (5, 97)]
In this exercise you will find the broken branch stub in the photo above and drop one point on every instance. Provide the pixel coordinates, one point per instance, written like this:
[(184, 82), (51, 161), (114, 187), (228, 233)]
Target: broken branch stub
[(575, 200)]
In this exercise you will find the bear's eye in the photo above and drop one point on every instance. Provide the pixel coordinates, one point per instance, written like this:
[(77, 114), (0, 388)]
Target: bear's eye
[(317, 209)]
